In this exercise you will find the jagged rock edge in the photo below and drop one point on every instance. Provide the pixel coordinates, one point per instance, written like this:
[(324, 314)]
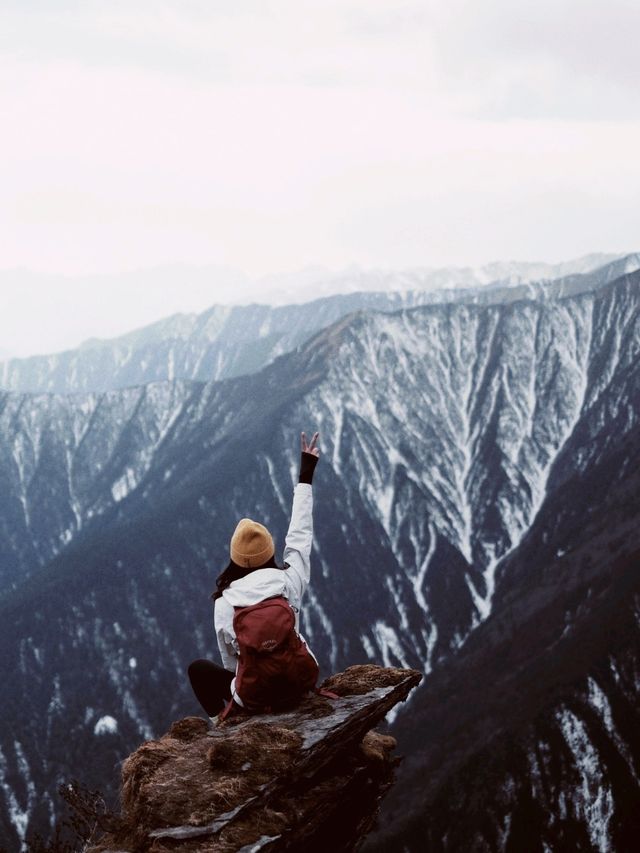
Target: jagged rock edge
[(386, 698)]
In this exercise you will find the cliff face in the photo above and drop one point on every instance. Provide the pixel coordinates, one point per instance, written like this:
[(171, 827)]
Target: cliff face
[(529, 738), (311, 779)]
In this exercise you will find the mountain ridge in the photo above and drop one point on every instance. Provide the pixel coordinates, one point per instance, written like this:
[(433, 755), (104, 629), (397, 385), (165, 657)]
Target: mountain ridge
[(560, 622), (397, 398), (229, 341)]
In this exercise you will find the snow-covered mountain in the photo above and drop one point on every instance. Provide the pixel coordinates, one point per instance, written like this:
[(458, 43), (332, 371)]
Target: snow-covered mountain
[(527, 739), (451, 433), (66, 459), (295, 287), (227, 341)]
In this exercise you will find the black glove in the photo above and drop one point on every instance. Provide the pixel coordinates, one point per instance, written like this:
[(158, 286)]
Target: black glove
[(308, 462)]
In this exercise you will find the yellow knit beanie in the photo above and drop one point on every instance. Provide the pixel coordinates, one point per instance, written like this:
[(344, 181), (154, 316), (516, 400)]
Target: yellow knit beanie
[(251, 544)]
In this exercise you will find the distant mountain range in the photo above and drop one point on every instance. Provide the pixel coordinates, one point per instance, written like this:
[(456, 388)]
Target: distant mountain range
[(227, 341), (476, 517), (295, 287)]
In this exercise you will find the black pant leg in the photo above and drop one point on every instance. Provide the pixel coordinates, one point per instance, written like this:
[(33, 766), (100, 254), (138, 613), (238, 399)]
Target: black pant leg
[(211, 684)]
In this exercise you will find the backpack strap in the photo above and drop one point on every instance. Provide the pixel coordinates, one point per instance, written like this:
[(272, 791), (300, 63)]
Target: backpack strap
[(320, 691), (227, 710), (230, 709)]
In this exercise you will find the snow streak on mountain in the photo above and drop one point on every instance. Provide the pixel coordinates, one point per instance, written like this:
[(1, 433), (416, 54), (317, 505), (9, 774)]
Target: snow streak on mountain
[(63, 460), (448, 432), (528, 737)]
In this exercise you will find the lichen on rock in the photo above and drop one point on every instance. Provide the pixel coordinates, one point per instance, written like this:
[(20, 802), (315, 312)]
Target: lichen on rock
[(278, 782)]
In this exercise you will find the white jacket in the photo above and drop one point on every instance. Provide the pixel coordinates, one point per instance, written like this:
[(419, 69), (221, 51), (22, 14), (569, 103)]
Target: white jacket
[(265, 583)]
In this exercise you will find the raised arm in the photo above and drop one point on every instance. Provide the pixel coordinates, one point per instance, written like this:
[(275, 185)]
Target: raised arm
[(297, 550)]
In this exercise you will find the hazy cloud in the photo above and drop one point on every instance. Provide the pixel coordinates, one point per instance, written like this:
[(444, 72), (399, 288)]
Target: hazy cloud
[(567, 58), (271, 134)]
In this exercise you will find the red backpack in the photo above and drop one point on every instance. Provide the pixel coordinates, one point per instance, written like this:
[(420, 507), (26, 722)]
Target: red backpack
[(275, 668)]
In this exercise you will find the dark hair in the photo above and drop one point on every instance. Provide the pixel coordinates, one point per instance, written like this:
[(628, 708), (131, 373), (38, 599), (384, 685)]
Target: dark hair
[(234, 572)]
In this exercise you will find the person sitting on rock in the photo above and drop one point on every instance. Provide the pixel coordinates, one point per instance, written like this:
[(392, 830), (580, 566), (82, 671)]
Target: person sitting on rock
[(266, 663)]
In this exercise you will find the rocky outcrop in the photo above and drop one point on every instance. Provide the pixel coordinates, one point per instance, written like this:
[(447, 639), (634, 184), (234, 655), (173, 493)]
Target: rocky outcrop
[(311, 779)]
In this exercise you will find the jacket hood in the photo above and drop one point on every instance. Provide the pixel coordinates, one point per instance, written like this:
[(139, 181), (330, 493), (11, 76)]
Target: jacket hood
[(255, 587)]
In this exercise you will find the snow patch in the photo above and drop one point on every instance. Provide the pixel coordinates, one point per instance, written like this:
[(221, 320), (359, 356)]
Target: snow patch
[(599, 701), (368, 648), (19, 812), (592, 799), (315, 607), (390, 646), (106, 725), (125, 484)]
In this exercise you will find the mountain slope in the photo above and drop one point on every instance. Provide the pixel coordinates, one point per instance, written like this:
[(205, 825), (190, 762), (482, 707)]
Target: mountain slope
[(548, 758), (445, 430), (64, 460)]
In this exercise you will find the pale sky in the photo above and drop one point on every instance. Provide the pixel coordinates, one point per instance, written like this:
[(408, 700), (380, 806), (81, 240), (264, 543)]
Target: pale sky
[(270, 135)]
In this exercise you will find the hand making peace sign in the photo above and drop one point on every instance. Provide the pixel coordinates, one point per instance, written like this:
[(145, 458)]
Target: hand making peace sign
[(311, 447)]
